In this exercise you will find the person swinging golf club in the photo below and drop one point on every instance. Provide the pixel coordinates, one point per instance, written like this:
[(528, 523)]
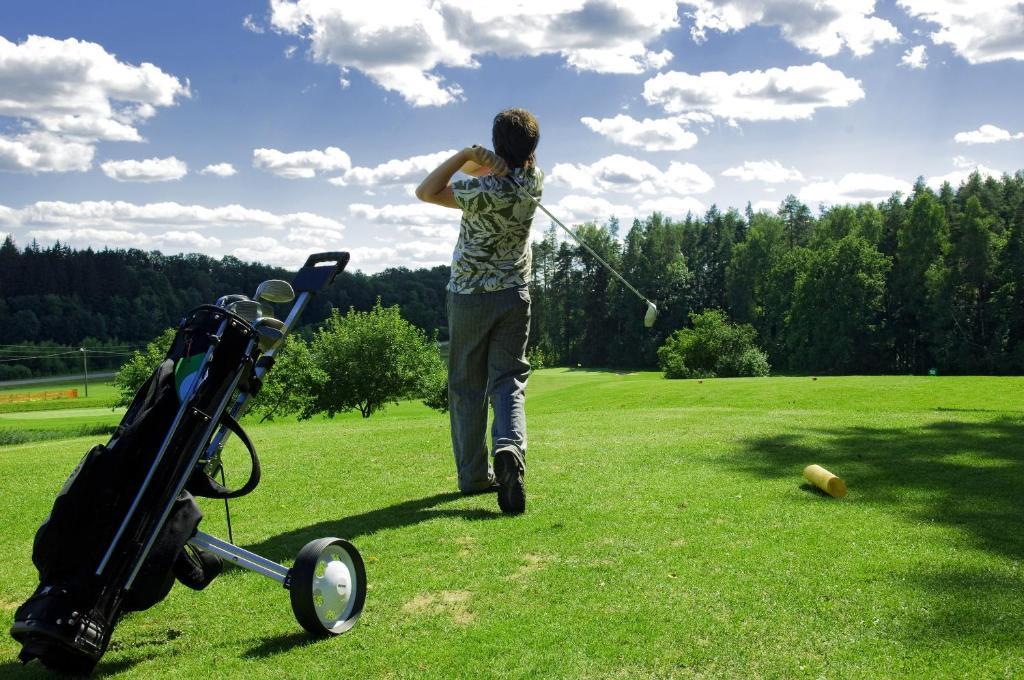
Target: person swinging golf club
[(488, 303)]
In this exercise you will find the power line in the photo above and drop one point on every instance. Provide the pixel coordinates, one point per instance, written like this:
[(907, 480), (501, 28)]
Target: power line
[(28, 347), (41, 356), (63, 354)]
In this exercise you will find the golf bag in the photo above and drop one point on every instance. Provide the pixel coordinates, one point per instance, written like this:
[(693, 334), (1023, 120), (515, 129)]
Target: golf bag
[(119, 531)]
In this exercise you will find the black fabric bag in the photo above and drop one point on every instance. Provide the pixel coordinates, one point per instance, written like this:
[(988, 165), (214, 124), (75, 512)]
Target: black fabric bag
[(68, 621)]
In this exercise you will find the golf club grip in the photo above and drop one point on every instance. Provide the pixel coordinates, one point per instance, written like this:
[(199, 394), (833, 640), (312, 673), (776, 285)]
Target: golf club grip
[(340, 258)]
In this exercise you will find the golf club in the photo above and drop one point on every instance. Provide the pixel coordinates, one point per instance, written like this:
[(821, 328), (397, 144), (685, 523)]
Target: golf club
[(275, 290), (250, 310), (271, 332), (652, 309)]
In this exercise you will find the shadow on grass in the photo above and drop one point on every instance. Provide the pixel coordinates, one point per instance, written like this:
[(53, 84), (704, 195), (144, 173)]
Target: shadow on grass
[(965, 475), (968, 475), (15, 669), (971, 603), (287, 545), (277, 644)]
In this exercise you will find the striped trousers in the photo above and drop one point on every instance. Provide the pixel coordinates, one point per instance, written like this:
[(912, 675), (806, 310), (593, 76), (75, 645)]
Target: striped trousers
[(487, 359)]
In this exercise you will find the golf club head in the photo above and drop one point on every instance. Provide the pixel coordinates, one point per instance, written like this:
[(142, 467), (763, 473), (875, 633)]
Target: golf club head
[(225, 300), (651, 315), (275, 290), (247, 309), (271, 332)]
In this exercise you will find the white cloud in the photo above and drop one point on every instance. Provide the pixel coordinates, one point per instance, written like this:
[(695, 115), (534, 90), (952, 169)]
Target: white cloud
[(426, 253), (854, 187), (149, 170), (915, 57), (821, 26), (169, 216), (775, 94), (397, 171), (664, 134), (965, 169), (68, 94), (629, 58), (424, 220), (406, 214), (399, 44), (629, 174), (672, 207), (44, 152), (219, 169), (980, 32), (574, 209), (365, 258), (249, 24), (770, 172), (986, 134), (283, 239), (171, 241), (301, 164), (765, 206)]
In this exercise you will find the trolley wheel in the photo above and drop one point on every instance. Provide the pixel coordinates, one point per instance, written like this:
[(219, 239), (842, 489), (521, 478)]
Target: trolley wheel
[(327, 585)]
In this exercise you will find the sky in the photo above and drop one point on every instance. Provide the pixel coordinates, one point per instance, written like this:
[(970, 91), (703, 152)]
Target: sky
[(271, 130)]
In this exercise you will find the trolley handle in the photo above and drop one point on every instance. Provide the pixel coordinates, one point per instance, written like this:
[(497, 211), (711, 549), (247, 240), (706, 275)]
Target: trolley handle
[(339, 257), (313, 279)]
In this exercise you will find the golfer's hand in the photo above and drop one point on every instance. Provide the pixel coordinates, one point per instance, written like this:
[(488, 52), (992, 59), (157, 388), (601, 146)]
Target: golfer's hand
[(488, 159)]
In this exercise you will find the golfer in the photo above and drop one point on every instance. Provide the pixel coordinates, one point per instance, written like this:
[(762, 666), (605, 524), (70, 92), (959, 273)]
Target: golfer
[(488, 303)]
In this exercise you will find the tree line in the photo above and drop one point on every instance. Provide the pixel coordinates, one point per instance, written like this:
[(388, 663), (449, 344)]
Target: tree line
[(929, 280), (56, 298)]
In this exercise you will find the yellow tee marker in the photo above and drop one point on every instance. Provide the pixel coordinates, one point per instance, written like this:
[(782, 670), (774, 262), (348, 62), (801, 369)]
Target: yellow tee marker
[(825, 480)]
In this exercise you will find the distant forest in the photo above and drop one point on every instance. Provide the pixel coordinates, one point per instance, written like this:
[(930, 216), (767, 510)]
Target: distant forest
[(57, 299), (933, 280)]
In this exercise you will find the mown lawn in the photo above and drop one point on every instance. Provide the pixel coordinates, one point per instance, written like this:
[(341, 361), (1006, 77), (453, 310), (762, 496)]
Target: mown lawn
[(27, 421), (668, 534), (100, 394)]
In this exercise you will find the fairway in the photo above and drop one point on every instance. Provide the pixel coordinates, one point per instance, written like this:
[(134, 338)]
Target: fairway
[(668, 533)]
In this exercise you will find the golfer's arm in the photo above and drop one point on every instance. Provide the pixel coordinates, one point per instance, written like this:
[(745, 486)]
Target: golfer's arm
[(474, 169), (435, 188)]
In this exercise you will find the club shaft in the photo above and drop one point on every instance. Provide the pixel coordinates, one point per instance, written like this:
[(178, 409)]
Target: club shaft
[(580, 241)]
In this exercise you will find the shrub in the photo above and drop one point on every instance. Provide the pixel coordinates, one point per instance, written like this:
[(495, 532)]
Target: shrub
[(287, 387), (368, 359), (435, 390), (140, 366), (538, 358), (712, 348)]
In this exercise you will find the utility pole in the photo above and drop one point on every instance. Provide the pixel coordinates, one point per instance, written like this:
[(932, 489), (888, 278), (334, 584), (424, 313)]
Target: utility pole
[(85, 367)]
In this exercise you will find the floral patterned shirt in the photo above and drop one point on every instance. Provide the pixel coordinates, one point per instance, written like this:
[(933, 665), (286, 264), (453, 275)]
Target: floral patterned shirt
[(493, 252)]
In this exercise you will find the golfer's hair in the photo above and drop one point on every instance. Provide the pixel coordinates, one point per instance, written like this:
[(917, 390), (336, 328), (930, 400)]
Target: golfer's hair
[(515, 135)]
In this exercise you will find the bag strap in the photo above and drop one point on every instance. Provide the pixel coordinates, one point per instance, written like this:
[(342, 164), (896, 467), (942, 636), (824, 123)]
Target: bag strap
[(212, 488)]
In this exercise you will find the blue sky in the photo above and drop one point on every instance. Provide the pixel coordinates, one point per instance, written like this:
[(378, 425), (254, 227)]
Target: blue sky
[(321, 116)]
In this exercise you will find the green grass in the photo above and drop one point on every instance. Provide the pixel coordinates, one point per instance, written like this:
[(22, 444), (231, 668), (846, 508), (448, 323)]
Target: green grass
[(668, 534), (32, 421)]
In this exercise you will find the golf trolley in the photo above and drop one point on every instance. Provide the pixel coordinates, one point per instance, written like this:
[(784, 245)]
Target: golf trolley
[(124, 525), (327, 583)]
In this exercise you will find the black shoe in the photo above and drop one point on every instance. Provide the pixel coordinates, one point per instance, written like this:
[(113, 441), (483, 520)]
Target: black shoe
[(490, 488), (511, 489)]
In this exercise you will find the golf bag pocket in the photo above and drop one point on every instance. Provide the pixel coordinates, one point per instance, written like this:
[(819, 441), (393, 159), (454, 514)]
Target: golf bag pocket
[(156, 575), (70, 543)]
